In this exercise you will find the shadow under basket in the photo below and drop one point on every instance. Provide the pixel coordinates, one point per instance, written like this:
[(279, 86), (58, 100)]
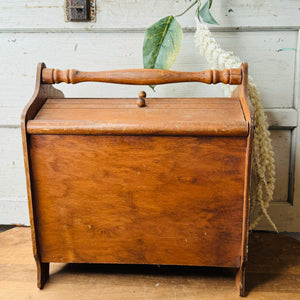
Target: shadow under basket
[(161, 181)]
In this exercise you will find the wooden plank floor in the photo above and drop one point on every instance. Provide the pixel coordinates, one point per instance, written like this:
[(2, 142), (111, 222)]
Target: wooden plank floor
[(273, 273)]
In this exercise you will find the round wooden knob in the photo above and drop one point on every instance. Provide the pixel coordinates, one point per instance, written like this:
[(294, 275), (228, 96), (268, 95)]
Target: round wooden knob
[(142, 94), (141, 100)]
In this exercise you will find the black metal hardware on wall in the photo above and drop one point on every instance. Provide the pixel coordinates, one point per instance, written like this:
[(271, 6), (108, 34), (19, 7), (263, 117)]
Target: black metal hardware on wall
[(80, 10)]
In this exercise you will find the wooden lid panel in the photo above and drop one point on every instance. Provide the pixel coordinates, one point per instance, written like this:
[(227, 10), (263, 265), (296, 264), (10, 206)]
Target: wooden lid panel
[(160, 116)]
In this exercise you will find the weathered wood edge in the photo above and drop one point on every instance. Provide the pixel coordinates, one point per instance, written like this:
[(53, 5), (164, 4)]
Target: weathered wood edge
[(242, 93), (41, 93), (158, 129)]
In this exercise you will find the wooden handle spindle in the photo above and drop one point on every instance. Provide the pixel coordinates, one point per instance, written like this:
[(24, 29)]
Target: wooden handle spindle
[(143, 76)]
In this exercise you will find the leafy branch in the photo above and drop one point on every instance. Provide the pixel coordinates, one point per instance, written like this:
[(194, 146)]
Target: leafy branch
[(163, 39)]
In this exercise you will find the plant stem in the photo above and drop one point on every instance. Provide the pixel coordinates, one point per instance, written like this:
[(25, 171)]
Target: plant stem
[(194, 3)]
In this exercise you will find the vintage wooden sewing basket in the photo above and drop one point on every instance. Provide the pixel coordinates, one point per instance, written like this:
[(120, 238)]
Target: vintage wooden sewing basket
[(139, 181)]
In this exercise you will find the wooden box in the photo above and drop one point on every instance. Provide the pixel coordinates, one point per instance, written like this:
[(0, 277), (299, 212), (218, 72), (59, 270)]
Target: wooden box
[(141, 181)]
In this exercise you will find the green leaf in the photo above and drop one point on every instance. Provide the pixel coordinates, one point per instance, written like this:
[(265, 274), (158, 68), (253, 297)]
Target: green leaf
[(205, 14), (162, 44)]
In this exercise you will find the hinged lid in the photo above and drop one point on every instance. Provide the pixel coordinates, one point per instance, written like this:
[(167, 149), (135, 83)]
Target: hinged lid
[(160, 116)]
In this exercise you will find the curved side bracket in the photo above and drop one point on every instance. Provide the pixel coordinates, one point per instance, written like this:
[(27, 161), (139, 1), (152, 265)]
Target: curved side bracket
[(41, 93), (241, 92)]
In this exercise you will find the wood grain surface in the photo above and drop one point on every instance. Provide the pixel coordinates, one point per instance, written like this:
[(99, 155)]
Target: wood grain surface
[(149, 200), (138, 14), (160, 116), (151, 188), (142, 76), (30, 110), (248, 111), (273, 272)]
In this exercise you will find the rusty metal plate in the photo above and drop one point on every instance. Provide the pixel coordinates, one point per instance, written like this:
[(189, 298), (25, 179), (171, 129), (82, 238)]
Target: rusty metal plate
[(80, 10)]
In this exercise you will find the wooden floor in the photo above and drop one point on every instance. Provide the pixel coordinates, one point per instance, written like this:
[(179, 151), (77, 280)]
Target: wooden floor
[(273, 273)]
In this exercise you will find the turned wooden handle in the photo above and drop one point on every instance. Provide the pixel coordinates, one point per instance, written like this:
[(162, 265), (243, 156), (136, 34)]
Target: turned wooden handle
[(142, 76)]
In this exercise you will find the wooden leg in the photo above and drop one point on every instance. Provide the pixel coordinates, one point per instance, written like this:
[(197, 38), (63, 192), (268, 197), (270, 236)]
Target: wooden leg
[(42, 273), (240, 281)]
